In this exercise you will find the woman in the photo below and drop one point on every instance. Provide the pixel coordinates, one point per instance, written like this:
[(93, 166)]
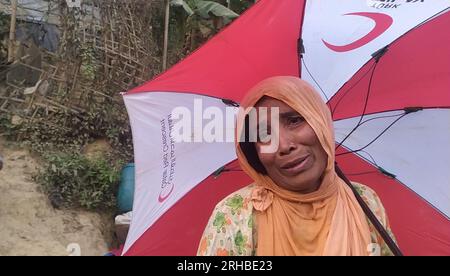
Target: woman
[(297, 204)]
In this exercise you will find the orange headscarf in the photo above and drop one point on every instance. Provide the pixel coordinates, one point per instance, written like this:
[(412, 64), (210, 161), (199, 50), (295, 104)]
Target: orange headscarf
[(328, 221)]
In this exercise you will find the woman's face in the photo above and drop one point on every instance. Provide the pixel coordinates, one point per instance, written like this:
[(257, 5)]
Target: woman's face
[(300, 161)]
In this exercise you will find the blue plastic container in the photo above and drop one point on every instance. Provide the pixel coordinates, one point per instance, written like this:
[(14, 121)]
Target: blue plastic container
[(126, 189)]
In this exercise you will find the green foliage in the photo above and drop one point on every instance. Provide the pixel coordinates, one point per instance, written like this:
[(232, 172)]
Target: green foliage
[(184, 5), (4, 23), (88, 66), (69, 133), (7, 129), (193, 22), (239, 6), (72, 180), (63, 133), (4, 30), (205, 8)]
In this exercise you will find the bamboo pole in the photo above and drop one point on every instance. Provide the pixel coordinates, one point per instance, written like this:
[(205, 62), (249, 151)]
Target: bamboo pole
[(12, 31), (166, 35)]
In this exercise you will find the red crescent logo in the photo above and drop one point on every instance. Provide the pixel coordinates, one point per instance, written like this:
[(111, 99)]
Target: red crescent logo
[(382, 23), (162, 198)]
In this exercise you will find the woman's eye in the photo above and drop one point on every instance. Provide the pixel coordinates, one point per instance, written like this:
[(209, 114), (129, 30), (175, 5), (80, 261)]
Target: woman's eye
[(295, 120)]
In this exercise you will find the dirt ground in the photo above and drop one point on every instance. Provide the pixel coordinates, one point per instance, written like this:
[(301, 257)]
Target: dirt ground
[(29, 225)]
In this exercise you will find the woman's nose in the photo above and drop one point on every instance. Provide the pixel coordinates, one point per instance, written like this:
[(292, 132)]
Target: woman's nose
[(286, 144)]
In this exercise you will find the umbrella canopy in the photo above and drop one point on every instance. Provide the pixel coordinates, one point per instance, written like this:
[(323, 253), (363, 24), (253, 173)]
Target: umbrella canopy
[(383, 68)]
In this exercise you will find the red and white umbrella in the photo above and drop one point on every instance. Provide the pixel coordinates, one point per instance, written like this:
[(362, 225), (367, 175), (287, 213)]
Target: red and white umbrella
[(382, 66)]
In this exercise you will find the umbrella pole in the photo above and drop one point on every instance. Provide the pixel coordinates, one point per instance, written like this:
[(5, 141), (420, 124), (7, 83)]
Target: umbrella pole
[(373, 219)]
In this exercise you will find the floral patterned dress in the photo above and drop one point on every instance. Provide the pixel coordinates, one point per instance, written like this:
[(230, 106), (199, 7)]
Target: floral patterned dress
[(231, 230)]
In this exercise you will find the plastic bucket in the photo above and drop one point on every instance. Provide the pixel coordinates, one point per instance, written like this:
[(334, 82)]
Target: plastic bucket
[(126, 189)]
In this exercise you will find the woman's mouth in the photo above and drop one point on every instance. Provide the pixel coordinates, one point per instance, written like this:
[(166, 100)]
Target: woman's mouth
[(297, 166)]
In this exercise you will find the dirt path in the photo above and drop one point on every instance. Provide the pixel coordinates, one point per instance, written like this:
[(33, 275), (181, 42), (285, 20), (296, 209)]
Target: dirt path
[(29, 225)]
